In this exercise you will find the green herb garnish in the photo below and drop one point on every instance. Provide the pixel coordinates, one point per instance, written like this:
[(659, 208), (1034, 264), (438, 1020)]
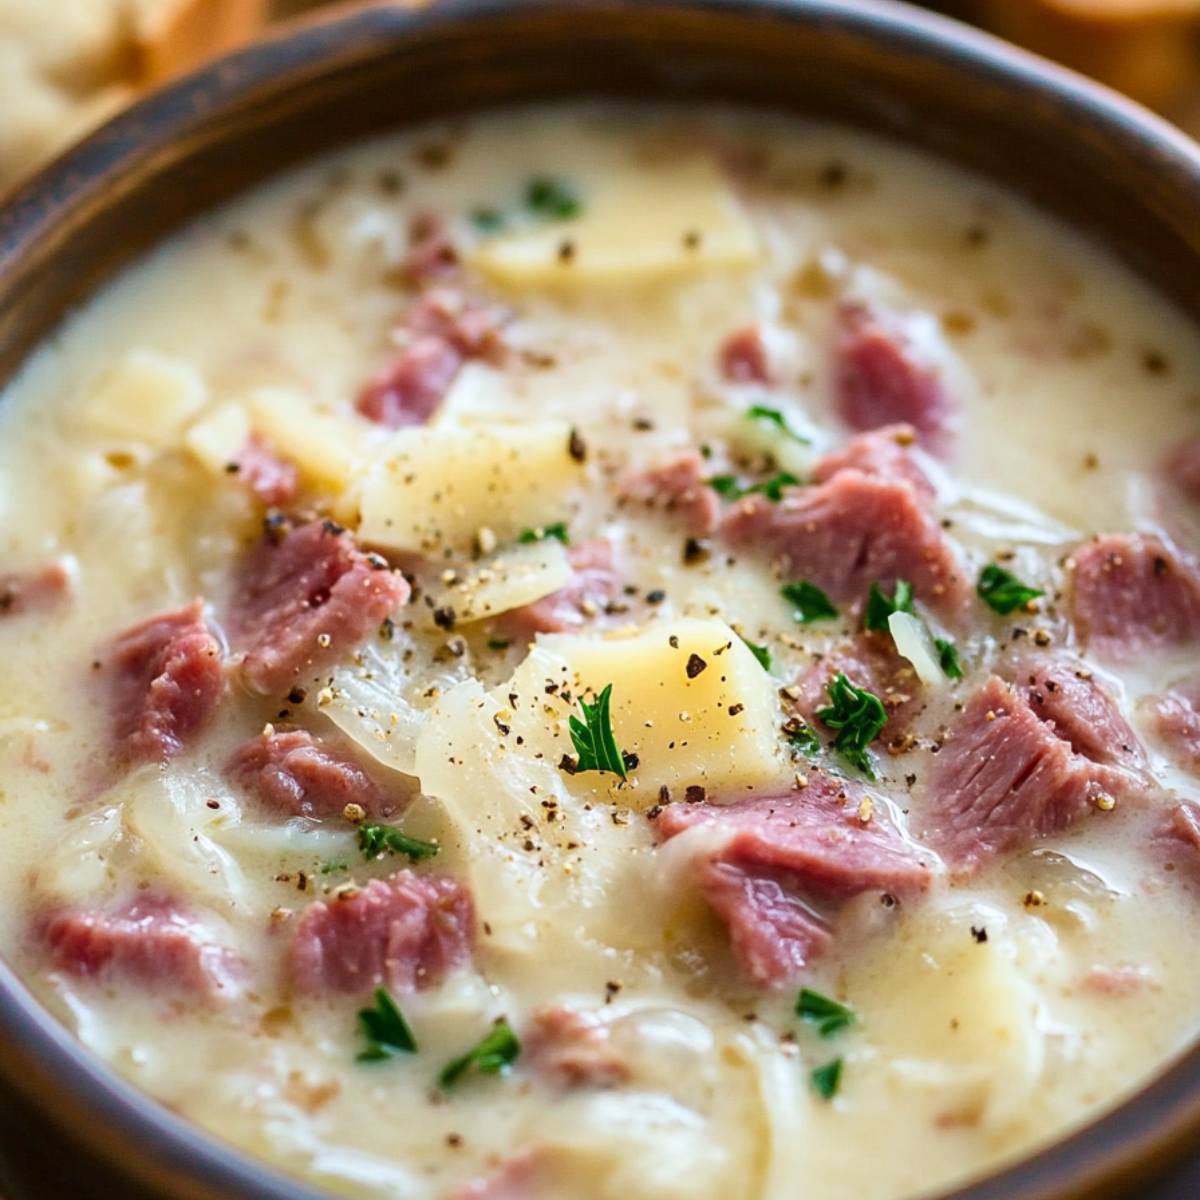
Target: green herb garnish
[(487, 220), (880, 607), (762, 653), (826, 1079), (1002, 591), (552, 199), (593, 738), (498, 644), (948, 658), (558, 531), (496, 1052), (808, 602), (801, 735), (760, 412), (373, 840), (385, 1029), (330, 867), (827, 1015), (858, 716), (729, 487)]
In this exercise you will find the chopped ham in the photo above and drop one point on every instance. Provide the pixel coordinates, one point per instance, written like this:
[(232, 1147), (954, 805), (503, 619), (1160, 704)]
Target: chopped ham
[(594, 583), (517, 1178), (165, 678), (42, 589), (1007, 776), (743, 357), (574, 1048), (293, 774), (405, 932), (1134, 593), (1182, 468), (880, 378), (305, 597), (151, 942), (1176, 720), (1177, 838), (272, 479), (443, 330), (676, 486), (886, 453), (849, 532), (788, 860)]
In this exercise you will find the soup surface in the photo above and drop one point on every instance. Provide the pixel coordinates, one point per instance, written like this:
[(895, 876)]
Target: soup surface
[(605, 653)]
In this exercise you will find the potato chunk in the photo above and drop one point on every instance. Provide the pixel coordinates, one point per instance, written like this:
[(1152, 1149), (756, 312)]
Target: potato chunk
[(218, 437), (435, 488), (640, 222), (145, 399), (327, 448), (508, 579)]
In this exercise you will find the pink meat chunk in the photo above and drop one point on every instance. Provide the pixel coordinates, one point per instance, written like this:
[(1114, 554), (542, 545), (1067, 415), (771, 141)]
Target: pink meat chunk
[(443, 330), (849, 532), (304, 598), (1182, 468), (880, 378), (42, 589), (1176, 721), (165, 679), (405, 932), (677, 488), (293, 774), (151, 942), (272, 479), (517, 1178), (1132, 594), (1006, 777), (594, 583), (787, 862), (886, 453), (743, 357), (574, 1048), (1177, 838)]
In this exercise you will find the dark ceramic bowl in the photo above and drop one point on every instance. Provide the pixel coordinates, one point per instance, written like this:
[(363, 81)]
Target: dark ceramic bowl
[(68, 1126)]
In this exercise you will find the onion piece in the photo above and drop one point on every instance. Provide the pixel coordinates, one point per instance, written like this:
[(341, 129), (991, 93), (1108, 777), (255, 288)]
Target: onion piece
[(914, 643)]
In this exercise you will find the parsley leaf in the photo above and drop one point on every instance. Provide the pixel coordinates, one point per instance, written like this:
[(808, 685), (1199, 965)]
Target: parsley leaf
[(329, 868), (492, 1055), (552, 199), (948, 658), (808, 602), (760, 412), (858, 716), (385, 1029), (729, 487), (593, 738), (373, 840), (762, 653), (498, 644), (827, 1015), (1002, 591), (558, 531), (826, 1079), (801, 735), (487, 220), (879, 607)]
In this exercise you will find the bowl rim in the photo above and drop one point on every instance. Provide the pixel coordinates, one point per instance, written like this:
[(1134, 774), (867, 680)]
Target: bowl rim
[(128, 1128)]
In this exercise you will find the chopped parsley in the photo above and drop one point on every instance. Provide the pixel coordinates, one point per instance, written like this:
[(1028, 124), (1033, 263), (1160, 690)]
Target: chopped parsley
[(552, 199), (1002, 591), (487, 220), (385, 1029), (762, 653), (729, 487), (373, 840), (808, 602), (801, 735), (880, 607), (826, 1079), (558, 531), (760, 412), (498, 644), (494, 1054), (827, 1015), (948, 658), (330, 868), (859, 718), (593, 738)]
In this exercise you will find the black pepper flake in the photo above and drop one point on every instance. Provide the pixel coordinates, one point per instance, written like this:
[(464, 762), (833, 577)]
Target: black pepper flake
[(566, 250), (630, 760), (568, 764), (694, 794), (454, 1140), (334, 529), (643, 424), (695, 550), (654, 812), (691, 239), (275, 527), (387, 629), (673, 642), (656, 597), (1160, 565), (736, 709), (576, 446), (444, 617), (232, 468), (377, 562), (297, 695), (664, 794), (979, 934), (695, 666)]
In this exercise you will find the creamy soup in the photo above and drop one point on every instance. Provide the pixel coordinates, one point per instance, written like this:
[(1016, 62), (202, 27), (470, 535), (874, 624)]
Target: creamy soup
[(605, 653)]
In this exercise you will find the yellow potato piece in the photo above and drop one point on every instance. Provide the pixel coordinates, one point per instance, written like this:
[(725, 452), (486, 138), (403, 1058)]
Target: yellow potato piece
[(508, 579), (325, 447), (218, 437), (146, 399), (640, 223), (435, 488)]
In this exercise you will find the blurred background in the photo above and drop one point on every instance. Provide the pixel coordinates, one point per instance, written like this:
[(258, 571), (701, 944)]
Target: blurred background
[(65, 65)]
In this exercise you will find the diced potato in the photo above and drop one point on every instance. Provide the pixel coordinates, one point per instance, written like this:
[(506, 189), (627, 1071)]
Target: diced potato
[(688, 698), (641, 222), (513, 577), (435, 488), (146, 399), (218, 437), (326, 448)]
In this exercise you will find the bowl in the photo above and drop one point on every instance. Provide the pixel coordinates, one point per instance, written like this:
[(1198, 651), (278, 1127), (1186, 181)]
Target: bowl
[(71, 1126)]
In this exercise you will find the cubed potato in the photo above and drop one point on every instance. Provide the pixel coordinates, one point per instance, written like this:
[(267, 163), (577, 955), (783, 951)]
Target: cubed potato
[(508, 579), (146, 399), (641, 222), (217, 438), (327, 448), (435, 488)]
